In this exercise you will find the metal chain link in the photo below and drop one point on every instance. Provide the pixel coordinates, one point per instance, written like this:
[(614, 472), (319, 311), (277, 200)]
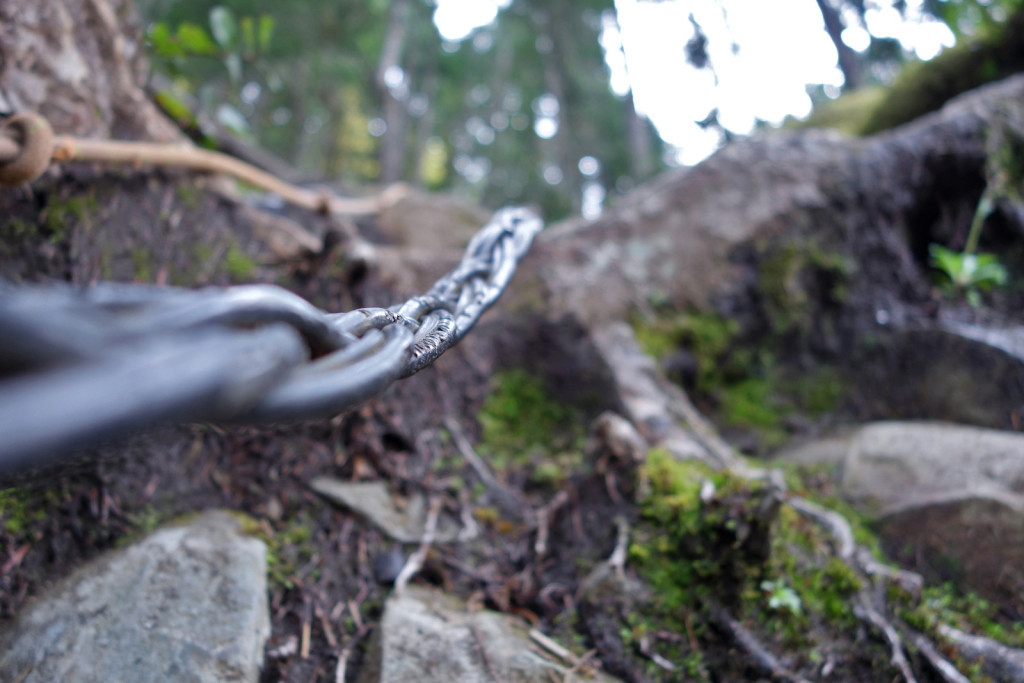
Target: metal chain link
[(79, 367)]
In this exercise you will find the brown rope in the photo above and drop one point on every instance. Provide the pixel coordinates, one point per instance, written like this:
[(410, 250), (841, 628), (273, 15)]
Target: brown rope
[(27, 146)]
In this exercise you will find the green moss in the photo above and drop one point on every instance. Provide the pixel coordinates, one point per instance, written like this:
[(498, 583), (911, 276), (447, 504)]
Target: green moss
[(695, 547), (816, 392), (21, 510), (189, 195), (143, 262), (794, 278), (239, 266), (59, 214), (848, 113), (288, 548), (519, 418), (706, 335), (922, 87), (752, 403), (742, 385), (549, 474)]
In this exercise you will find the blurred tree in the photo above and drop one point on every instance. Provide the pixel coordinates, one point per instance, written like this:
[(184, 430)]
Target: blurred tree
[(370, 92)]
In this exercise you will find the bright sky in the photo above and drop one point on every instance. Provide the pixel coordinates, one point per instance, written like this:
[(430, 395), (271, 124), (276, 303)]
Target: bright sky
[(782, 47)]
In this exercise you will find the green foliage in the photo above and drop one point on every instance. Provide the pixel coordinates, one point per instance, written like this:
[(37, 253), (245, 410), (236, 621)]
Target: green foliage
[(318, 65), (229, 40), (993, 52), (519, 417), (967, 274), (781, 596)]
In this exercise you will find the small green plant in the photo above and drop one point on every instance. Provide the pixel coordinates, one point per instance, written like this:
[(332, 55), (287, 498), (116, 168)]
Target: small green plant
[(968, 273), (781, 596), (231, 40), (236, 43)]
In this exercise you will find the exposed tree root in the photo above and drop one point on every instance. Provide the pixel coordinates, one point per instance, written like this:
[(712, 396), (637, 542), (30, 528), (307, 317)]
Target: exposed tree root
[(999, 661), (940, 665), (764, 660), (865, 611), (416, 560)]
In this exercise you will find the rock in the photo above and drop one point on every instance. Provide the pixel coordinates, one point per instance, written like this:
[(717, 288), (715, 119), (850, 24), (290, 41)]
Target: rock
[(426, 635), (898, 466), (187, 603), (404, 523), (948, 499), (830, 450), (388, 565), (950, 370)]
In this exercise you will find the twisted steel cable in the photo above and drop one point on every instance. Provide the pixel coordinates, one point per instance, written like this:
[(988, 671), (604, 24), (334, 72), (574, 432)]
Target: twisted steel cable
[(81, 366)]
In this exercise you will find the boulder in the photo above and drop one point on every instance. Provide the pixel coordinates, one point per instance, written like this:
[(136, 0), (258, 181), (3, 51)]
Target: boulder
[(427, 635), (898, 466), (187, 603), (949, 370), (948, 499)]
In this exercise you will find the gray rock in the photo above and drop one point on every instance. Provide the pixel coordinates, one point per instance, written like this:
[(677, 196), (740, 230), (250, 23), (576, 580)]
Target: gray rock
[(187, 603), (948, 370), (426, 635), (404, 523), (895, 466), (948, 498)]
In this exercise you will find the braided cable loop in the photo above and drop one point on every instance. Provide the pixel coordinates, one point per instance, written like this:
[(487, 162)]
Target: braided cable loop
[(120, 357)]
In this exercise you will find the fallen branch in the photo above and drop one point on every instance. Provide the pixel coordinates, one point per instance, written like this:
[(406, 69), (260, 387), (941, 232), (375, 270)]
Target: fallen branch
[(553, 647), (865, 611), (416, 560), (646, 651), (346, 652), (544, 516), (469, 454), (618, 559)]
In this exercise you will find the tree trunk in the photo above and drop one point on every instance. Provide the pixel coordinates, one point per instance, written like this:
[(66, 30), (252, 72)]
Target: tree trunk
[(849, 62), (80, 64), (638, 129), (396, 115)]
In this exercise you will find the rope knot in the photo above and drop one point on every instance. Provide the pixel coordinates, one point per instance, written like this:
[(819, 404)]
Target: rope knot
[(26, 146)]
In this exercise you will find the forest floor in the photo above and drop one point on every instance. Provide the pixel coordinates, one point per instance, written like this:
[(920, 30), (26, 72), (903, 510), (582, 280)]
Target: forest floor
[(719, 559)]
